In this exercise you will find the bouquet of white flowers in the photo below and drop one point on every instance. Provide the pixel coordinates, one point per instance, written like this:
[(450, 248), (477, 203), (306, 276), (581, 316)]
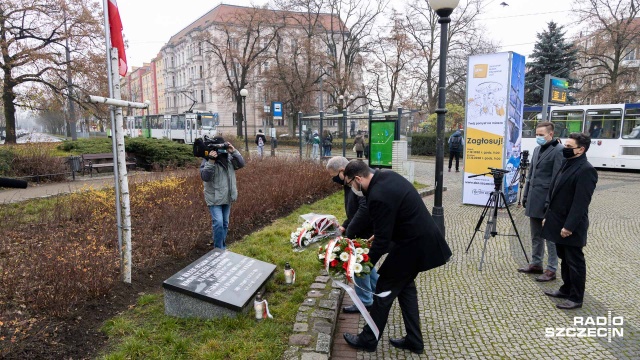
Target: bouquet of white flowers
[(314, 228)]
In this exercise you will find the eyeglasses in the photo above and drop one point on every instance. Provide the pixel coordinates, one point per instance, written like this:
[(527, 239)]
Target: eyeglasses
[(348, 183)]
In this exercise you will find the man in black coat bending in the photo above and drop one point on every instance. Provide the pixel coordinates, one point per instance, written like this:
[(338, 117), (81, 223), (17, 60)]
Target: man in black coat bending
[(566, 220), (404, 227)]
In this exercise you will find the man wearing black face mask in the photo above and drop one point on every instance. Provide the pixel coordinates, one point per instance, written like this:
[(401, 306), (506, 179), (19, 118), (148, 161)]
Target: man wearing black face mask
[(401, 218), (357, 225), (566, 220)]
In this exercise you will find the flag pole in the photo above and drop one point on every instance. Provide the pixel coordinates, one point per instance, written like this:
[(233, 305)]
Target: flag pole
[(107, 36)]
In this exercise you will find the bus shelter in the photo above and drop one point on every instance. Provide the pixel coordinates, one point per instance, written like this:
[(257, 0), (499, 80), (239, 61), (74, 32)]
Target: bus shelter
[(379, 130)]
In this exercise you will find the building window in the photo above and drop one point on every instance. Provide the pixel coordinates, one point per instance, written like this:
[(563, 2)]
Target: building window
[(201, 72), (631, 55), (201, 96)]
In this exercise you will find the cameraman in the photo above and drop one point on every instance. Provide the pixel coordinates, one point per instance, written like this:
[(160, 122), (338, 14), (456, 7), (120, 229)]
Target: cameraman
[(218, 172)]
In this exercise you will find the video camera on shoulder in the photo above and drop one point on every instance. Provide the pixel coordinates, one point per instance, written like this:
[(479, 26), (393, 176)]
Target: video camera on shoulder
[(202, 147)]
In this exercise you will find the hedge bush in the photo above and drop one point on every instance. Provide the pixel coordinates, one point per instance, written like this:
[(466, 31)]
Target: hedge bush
[(32, 159), (425, 143), (148, 152)]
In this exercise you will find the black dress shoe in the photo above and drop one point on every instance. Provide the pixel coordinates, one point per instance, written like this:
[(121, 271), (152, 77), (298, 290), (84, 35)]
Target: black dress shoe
[(353, 309), (556, 294), (568, 305), (402, 344), (355, 342)]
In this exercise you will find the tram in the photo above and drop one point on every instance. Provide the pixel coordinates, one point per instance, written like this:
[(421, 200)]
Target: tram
[(614, 131), (183, 128)]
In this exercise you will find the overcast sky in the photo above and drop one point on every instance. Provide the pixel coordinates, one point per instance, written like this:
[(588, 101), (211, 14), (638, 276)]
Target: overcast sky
[(148, 24)]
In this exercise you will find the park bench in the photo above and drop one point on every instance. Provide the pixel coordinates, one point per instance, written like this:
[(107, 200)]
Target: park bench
[(99, 161)]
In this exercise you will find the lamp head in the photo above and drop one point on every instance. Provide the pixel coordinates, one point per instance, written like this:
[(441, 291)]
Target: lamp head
[(244, 92), (443, 8)]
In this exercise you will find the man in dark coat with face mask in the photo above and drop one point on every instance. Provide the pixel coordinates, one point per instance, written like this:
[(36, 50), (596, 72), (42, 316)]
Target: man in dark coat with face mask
[(566, 220), (401, 219)]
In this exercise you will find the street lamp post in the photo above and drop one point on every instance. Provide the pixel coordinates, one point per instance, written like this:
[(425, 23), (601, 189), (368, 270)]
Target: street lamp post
[(244, 94), (443, 8)]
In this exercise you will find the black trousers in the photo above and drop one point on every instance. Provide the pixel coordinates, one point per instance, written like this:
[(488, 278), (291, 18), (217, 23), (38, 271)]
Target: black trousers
[(574, 271), (457, 156), (359, 154), (405, 290)]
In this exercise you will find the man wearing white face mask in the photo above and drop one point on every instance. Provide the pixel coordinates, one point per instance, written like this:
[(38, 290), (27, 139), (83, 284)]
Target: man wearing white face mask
[(545, 162), (403, 226)]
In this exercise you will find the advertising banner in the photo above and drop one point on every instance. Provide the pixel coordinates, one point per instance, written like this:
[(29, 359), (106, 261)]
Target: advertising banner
[(493, 121), (381, 143), (514, 127)]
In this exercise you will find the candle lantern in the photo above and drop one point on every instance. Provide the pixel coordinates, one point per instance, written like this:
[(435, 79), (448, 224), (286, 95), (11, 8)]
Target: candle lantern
[(289, 274), (258, 306)]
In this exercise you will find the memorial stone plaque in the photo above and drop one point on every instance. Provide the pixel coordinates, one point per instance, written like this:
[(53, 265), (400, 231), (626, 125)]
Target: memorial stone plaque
[(219, 283)]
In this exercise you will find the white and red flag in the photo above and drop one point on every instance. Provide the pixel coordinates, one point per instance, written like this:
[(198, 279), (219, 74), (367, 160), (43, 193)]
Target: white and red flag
[(115, 31)]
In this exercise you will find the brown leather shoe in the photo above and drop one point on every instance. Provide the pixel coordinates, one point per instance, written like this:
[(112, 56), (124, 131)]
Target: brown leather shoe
[(547, 276), (531, 269)]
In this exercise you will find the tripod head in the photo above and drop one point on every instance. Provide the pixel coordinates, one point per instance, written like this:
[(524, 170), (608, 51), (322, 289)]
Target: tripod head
[(524, 159), (498, 176)]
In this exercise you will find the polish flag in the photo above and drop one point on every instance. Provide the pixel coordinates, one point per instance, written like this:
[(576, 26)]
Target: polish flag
[(115, 29)]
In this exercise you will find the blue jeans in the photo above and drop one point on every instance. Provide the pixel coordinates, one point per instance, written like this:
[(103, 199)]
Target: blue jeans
[(220, 216), (367, 283)]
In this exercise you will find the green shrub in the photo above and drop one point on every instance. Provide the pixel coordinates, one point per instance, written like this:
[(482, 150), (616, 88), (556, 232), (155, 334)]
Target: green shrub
[(31, 159), (425, 144), (148, 152)]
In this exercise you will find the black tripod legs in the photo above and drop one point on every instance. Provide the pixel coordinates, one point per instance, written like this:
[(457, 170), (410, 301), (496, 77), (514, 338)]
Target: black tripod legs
[(514, 227), (480, 221), (491, 227)]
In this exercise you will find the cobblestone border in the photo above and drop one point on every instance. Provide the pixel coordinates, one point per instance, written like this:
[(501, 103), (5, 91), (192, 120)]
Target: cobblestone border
[(315, 322)]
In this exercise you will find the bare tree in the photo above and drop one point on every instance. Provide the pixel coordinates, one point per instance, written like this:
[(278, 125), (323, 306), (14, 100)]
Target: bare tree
[(347, 39), (465, 38), (612, 33), (32, 40), (298, 56), (393, 53), (240, 42)]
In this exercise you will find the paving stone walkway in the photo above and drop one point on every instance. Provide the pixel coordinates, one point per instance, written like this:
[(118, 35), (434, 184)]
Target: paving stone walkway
[(499, 313)]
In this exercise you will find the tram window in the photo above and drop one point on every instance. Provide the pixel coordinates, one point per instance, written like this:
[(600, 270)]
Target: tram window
[(207, 121), (631, 124), (603, 123), (566, 122), (529, 121)]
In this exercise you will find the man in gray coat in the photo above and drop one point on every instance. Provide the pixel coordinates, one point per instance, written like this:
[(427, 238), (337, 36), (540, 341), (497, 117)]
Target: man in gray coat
[(545, 162), (218, 173)]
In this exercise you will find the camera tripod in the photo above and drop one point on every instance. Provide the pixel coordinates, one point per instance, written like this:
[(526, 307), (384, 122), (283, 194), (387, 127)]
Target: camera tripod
[(497, 195)]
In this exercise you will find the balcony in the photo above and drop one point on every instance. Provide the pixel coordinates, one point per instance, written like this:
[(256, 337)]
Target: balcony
[(630, 63)]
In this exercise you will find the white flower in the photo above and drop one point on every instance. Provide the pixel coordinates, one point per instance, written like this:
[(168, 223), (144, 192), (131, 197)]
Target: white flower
[(321, 256), (344, 256), (332, 257), (336, 249), (359, 251), (359, 258), (358, 268), (366, 250)]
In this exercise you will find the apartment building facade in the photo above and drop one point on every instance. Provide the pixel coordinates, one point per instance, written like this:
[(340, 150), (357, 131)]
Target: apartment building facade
[(185, 76)]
